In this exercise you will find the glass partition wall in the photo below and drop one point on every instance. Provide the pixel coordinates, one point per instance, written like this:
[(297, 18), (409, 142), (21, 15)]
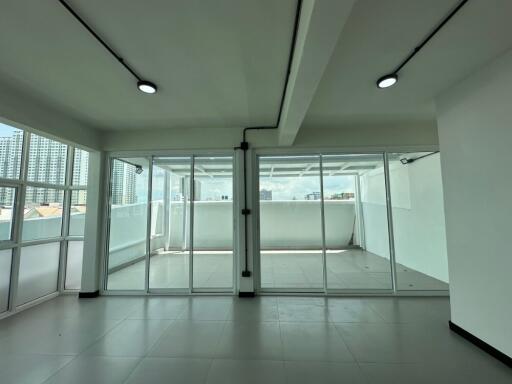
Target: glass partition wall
[(291, 242), (351, 223), (418, 221), (43, 187), (182, 240)]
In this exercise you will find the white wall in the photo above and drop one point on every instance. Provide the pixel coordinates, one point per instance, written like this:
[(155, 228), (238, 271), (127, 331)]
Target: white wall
[(475, 132), (418, 215), (284, 225), (297, 224)]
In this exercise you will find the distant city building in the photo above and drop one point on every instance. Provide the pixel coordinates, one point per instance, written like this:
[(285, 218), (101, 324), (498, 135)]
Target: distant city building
[(10, 160), (80, 174), (47, 165), (343, 196), (265, 194), (312, 196), (123, 183)]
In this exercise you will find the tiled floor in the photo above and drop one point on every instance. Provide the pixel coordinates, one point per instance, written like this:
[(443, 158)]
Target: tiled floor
[(346, 269), (230, 340)]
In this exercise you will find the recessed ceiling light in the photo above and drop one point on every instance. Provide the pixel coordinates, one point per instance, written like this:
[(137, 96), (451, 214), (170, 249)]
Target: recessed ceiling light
[(387, 81), (146, 86)]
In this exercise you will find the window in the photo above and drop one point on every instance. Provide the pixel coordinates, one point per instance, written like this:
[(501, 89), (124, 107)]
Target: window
[(80, 167), (418, 221), (42, 218), (291, 251), (5, 276), (7, 198), (74, 265), (128, 224), (46, 160), (77, 212), (39, 269), (189, 244), (11, 144), (53, 194)]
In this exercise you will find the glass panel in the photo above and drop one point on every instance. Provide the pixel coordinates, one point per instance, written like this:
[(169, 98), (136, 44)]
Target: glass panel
[(7, 195), (39, 270), (74, 265), (11, 144), (77, 212), (80, 167), (170, 223), (5, 278), (128, 223), (356, 225), (43, 213), (290, 222), (213, 222), (46, 160), (418, 221)]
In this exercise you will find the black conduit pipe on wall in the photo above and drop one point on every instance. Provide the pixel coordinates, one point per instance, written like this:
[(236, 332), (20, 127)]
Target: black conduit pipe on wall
[(244, 145)]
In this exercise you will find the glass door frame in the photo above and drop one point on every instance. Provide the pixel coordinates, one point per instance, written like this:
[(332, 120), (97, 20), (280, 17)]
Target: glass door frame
[(106, 220), (256, 222)]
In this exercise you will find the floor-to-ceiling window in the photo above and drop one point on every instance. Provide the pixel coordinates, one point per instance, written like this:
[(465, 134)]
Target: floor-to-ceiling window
[(418, 221), (213, 223), (182, 241), (325, 223), (42, 209), (169, 266), (356, 225), (128, 214), (291, 245)]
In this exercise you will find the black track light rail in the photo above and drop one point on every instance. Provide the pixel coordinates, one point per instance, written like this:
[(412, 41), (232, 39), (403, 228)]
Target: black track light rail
[(100, 40), (244, 145), (430, 36)]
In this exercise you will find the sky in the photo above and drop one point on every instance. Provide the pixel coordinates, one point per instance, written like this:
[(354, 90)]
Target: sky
[(6, 131), (283, 188), (288, 188)]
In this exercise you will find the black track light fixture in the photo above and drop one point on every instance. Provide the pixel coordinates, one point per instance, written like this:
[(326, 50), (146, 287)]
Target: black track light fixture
[(143, 85), (391, 79), (146, 86), (387, 81)]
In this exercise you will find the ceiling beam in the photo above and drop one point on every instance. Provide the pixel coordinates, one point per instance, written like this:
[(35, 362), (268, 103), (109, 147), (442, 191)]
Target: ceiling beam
[(320, 24)]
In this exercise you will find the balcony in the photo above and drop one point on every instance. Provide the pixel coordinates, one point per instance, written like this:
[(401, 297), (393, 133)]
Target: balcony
[(299, 265)]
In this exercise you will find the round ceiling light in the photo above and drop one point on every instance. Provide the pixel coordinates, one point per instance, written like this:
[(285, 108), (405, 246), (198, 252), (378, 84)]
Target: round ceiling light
[(387, 81), (146, 86)]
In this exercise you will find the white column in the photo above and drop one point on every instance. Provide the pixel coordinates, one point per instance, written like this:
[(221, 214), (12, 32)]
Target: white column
[(94, 220), (245, 284)]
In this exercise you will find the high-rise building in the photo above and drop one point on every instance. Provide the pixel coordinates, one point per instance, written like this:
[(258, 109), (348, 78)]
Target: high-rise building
[(123, 183), (312, 196), (80, 174), (10, 160), (46, 164)]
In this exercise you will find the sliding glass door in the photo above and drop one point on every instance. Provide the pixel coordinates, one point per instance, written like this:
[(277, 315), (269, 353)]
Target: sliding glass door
[(356, 225), (183, 240), (170, 249), (291, 245), (213, 223), (128, 224), (323, 223), (418, 221)]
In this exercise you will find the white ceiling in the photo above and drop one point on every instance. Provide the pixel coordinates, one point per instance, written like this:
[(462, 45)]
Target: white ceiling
[(217, 63), (379, 34), (223, 63)]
